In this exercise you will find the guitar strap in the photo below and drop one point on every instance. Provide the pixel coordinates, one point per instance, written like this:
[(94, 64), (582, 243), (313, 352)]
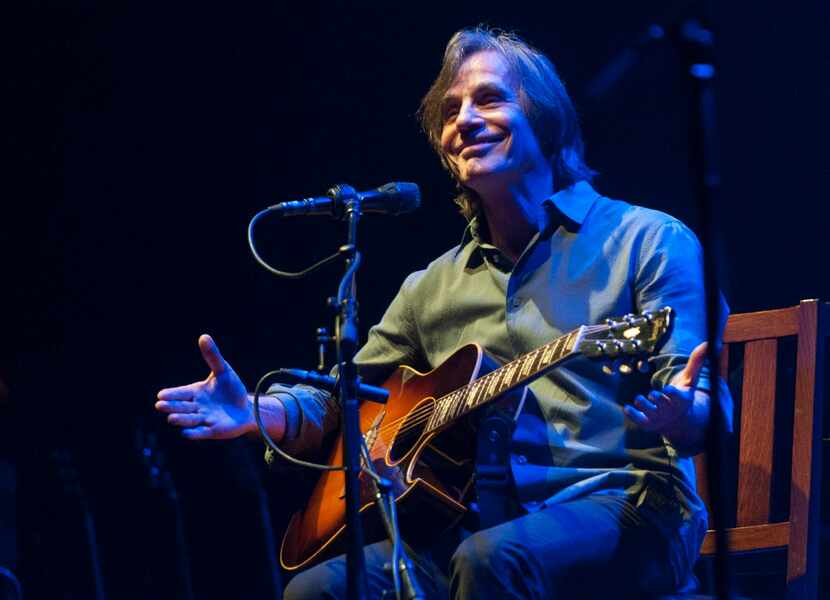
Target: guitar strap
[(494, 478)]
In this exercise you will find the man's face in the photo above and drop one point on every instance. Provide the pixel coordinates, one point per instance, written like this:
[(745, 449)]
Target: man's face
[(486, 136)]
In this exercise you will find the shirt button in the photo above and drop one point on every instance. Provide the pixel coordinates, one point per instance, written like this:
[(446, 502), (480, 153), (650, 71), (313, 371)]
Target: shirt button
[(521, 459)]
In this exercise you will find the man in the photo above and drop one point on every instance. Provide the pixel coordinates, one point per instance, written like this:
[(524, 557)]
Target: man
[(603, 488)]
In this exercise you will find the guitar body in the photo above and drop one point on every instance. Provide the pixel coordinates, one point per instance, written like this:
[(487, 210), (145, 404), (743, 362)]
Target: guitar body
[(424, 441), (431, 473)]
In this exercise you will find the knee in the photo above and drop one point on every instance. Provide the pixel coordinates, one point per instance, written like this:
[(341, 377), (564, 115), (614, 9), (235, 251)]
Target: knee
[(315, 584), (485, 556)]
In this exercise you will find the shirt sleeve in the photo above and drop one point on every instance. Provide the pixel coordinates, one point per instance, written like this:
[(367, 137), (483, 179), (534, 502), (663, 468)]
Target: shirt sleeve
[(670, 273), (396, 339)]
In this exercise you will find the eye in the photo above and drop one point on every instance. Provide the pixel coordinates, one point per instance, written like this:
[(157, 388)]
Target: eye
[(449, 112)]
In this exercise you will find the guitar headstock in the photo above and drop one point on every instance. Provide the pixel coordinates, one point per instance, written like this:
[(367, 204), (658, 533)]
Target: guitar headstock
[(627, 338)]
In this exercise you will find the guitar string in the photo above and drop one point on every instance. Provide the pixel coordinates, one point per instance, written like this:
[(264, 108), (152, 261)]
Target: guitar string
[(424, 413)]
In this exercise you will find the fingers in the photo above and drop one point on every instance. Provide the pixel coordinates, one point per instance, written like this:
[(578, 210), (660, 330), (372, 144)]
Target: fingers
[(652, 411), (635, 415), (211, 354), (182, 393), (692, 370), (202, 432), (172, 406), (668, 401), (644, 404), (186, 420), (653, 406)]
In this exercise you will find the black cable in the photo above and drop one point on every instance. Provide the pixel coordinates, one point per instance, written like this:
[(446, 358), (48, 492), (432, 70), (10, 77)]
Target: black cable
[(367, 467), (269, 441), (348, 276), (278, 272)]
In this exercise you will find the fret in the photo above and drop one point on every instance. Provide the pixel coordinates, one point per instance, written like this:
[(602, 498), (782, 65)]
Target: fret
[(511, 372), (501, 377), (493, 380), (566, 341), (555, 353), (458, 403), (481, 391), (471, 395), (557, 350), (545, 361), (452, 400), (514, 373), (527, 363), (445, 409), (568, 345), (437, 413), (537, 359), (493, 386), (572, 340), (445, 413), (503, 373), (431, 421)]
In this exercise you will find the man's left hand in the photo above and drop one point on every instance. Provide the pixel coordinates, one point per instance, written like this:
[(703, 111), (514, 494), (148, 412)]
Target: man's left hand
[(667, 409)]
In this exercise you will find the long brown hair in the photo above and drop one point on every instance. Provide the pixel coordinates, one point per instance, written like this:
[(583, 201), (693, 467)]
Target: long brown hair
[(541, 93)]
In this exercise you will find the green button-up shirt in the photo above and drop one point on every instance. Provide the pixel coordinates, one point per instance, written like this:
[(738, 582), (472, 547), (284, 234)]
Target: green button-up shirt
[(597, 258)]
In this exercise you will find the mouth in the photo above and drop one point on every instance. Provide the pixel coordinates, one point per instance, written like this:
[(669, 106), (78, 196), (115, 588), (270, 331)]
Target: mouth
[(478, 147)]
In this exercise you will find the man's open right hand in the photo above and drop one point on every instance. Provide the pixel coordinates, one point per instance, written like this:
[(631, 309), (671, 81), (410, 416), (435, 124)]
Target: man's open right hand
[(214, 409)]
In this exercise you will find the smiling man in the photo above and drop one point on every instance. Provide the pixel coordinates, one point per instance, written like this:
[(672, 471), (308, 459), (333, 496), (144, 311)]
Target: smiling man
[(490, 147), (602, 497)]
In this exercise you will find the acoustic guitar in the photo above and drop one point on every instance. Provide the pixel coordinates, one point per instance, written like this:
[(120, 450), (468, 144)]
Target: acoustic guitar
[(423, 438)]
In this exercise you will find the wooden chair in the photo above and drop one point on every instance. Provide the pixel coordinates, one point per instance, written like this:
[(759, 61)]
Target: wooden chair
[(761, 333)]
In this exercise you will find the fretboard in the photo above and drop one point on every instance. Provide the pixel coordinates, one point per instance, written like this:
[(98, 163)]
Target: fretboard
[(516, 373)]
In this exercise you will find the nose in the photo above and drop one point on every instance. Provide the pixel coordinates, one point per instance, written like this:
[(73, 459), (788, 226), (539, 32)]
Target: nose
[(468, 117)]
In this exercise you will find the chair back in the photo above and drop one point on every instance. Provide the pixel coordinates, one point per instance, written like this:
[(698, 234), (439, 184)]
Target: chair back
[(764, 401)]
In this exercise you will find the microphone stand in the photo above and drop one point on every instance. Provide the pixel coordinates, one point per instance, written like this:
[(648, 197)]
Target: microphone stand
[(347, 342), (695, 44), (346, 328), (697, 49), (344, 203)]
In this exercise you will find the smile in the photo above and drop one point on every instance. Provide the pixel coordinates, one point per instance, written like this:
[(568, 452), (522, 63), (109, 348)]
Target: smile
[(478, 148)]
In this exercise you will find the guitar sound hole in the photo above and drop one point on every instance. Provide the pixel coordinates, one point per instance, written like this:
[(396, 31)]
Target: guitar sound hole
[(411, 430)]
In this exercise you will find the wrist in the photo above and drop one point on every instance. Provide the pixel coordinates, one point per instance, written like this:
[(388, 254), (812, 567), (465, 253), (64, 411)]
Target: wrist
[(272, 414)]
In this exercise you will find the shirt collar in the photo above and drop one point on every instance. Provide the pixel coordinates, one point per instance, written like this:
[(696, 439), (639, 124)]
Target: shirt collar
[(574, 203), (568, 207)]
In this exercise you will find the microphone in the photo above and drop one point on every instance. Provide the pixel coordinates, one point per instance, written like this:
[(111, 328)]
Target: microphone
[(394, 198), (328, 383)]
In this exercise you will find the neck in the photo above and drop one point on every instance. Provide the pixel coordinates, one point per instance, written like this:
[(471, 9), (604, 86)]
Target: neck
[(515, 213)]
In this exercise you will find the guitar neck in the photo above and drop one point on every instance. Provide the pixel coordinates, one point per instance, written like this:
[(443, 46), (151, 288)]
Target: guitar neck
[(516, 373)]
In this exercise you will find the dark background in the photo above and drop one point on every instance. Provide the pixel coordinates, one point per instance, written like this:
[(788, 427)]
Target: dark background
[(146, 135)]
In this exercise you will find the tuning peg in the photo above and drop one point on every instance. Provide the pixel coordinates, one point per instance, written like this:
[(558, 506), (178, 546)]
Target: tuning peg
[(611, 348), (591, 349), (643, 366), (625, 368), (631, 346), (616, 366)]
